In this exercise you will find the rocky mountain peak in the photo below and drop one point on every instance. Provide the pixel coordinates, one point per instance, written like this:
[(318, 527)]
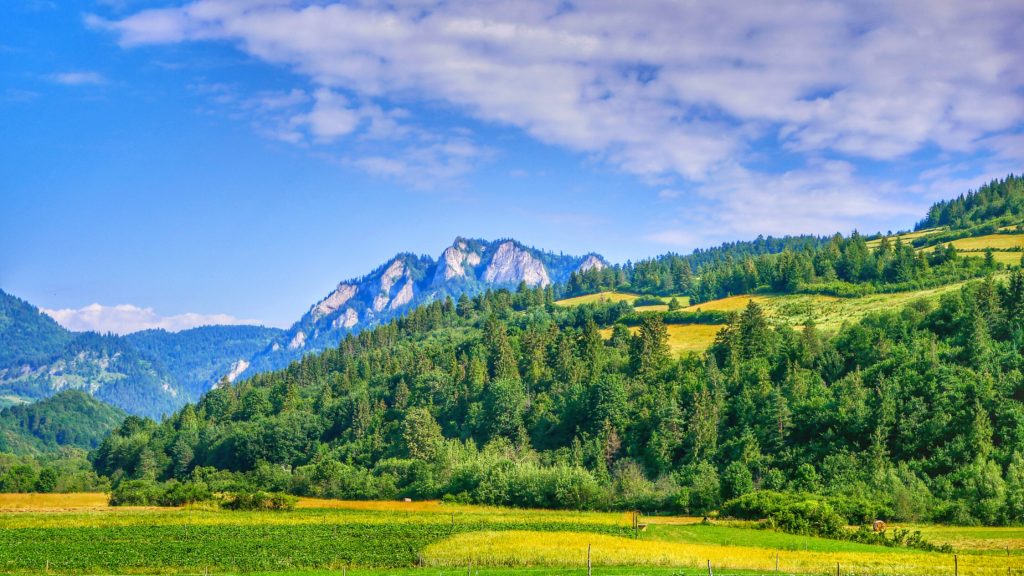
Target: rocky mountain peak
[(511, 264)]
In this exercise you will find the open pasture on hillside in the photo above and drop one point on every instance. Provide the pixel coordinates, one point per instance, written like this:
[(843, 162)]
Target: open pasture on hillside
[(905, 237), (993, 241), (607, 296), (428, 538), (683, 338), (615, 296)]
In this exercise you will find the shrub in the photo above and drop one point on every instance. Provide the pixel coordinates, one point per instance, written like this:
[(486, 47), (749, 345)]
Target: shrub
[(259, 500)]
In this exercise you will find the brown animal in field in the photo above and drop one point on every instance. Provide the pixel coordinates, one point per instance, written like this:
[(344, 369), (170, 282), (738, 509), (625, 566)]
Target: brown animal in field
[(878, 526)]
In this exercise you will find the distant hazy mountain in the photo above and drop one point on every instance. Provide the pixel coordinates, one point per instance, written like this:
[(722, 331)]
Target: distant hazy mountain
[(150, 373), (71, 418), (468, 266)]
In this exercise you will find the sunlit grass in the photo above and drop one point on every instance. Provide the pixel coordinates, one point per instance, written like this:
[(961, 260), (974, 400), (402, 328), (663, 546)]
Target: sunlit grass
[(519, 548), (33, 501)]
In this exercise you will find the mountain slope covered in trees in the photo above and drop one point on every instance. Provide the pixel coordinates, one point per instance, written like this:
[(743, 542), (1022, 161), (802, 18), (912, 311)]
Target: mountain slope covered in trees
[(68, 419), (912, 413), (150, 373)]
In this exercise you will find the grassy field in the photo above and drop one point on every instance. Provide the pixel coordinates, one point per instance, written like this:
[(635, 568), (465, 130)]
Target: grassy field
[(907, 237), (610, 296), (993, 241), (607, 296), (78, 534), (683, 337)]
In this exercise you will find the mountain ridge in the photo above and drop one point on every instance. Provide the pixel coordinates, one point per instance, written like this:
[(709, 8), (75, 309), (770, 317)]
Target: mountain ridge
[(467, 266)]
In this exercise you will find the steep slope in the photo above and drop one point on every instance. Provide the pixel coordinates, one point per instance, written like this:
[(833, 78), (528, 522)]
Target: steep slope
[(198, 358), (70, 418), (149, 374), (469, 266)]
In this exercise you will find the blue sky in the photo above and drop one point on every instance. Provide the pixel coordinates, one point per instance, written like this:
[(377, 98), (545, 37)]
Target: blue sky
[(177, 163)]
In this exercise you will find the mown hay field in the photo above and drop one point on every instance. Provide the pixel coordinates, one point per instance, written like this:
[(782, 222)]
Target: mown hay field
[(71, 501)]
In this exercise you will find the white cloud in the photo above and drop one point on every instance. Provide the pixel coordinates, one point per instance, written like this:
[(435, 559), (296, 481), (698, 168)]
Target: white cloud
[(78, 78), (127, 318), (692, 92)]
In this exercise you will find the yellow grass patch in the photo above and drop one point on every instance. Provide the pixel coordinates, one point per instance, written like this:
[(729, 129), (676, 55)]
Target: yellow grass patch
[(568, 549), (730, 304), (652, 308), (909, 236), (608, 296), (377, 505), (33, 502), (682, 337), (993, 241)]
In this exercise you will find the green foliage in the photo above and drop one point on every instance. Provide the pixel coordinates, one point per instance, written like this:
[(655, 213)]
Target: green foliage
[(71, 418), (997, 199), (259, 500)]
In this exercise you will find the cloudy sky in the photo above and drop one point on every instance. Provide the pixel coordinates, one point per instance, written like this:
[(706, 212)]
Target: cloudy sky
[(176, 163)]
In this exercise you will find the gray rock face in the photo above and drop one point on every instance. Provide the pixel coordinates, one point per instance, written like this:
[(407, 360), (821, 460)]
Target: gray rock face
[(457, 261), (592, 262), (512, 264), (334, 301)]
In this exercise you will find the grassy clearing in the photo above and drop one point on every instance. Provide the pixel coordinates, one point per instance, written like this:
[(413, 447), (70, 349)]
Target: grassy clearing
[(523, 548), (683, 337), (993, 241), (908, 237), (730, 304), (607, 296), (615, 296)]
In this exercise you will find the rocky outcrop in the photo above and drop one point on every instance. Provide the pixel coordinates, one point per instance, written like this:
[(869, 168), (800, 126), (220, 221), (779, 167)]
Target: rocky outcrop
[(236, 369), (403, 297), (298, 341), (592, 262), (512, 264), (347, 320), (457, 261), (334, 301)]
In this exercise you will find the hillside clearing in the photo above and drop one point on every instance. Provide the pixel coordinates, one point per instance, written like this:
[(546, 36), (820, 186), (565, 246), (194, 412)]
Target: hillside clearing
[(683, 338)]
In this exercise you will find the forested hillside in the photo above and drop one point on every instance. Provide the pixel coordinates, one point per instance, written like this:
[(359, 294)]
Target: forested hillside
[(69, 419), (149, 373), (507, 399)]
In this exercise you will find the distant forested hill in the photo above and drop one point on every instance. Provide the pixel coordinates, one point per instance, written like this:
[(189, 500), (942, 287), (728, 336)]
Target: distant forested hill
[(198, 358), (69, 419), (149, 374)]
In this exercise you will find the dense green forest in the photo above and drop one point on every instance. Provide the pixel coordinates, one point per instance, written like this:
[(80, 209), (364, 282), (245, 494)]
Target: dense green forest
[(70, 418), (508, 399), (996, 200), (838, 266)]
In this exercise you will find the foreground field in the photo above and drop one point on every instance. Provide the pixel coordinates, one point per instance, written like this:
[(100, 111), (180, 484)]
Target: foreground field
[(430, 538)]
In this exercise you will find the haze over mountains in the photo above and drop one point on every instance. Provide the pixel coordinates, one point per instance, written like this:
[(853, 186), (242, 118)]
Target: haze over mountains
[(154, 372)]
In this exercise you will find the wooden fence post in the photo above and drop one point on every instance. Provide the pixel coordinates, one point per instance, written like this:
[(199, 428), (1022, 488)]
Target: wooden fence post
[(589, 572), (956, 566), (710, 573)]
